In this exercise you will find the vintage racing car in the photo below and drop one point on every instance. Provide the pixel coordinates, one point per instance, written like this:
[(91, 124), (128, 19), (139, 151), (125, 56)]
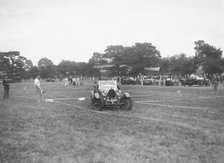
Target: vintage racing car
[(106, 93), (196, 80), (128, 81)]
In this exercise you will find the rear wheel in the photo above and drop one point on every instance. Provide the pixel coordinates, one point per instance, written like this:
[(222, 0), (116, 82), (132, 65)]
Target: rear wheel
[(127, 104), (200, 83), (207, 83), (183, 83)]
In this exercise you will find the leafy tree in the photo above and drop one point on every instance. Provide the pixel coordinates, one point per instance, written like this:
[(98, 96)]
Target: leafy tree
[(33, 72), (180, 64), (222, 63), (94, 64), (114, 56), (97, 59), (139, 56), (81, 68), (165, 65), (12, 60), (67, 68), (209, 57), (45, 62), (47, 68), (28, 65), (3, 67)]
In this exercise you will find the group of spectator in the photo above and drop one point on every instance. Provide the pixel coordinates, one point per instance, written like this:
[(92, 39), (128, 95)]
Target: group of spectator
[(73, 81)]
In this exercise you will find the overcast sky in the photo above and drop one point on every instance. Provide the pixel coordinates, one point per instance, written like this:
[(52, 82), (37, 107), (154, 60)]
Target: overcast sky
[(74, 29)]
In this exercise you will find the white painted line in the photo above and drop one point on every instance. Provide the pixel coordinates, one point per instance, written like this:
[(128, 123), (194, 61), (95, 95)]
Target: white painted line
[(72, 98), (170, 106), (69, 97), (199, 98), (74, 90), (82, 91), (63, 95), (77, 106), (75, 98), (134, 96), (156, 100)]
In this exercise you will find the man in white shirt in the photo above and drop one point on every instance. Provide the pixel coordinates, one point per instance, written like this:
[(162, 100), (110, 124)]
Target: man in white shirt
[(66, 81), (38, 87)]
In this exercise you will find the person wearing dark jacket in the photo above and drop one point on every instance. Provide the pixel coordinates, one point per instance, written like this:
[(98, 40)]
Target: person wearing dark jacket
[(5, 83), (215, 82)]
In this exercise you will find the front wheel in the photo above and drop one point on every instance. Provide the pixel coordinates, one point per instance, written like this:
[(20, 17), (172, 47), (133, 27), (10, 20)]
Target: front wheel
[(127, 104), (97, 104)]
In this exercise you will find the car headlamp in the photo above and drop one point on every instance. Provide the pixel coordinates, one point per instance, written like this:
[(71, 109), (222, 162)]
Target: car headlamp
[(127, 94), (119, 93), (104, 93), (97, 95)]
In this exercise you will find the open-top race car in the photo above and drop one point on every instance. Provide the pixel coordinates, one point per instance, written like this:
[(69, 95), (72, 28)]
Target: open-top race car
[(128, 80), (107, 93), (195, 80)]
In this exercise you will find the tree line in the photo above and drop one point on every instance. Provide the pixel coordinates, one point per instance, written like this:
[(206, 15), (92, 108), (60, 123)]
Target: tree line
[(120, 61)]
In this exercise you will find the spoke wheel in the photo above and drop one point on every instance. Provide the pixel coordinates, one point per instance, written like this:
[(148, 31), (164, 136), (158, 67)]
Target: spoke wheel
[(200, 83), (127, 104), (97, 104)]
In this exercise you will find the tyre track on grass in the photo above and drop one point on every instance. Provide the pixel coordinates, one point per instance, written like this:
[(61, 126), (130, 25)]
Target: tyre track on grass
[(130, 116), (207, 132)]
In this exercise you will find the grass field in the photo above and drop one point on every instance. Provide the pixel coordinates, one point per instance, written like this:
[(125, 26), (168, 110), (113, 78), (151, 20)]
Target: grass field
[(166, 124)]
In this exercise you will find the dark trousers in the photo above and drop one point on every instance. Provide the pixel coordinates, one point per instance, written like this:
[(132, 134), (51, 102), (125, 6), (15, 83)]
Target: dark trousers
[(6, 92)]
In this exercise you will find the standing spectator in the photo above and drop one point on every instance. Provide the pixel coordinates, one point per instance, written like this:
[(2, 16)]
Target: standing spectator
[(70, 80), (78, 81), (222, 78), (215, 82), (81, 80), (164, 80), (38, 87), (66, 81), (5, 83), (140, 76)]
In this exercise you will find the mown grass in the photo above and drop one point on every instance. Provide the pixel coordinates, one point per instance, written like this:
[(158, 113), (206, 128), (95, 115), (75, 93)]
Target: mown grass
[(54, 132)]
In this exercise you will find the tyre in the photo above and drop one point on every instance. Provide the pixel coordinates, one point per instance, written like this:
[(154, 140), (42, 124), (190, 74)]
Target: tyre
[(207, 83), (200, 83), (183, 83), (127, 104), (97, 104)]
